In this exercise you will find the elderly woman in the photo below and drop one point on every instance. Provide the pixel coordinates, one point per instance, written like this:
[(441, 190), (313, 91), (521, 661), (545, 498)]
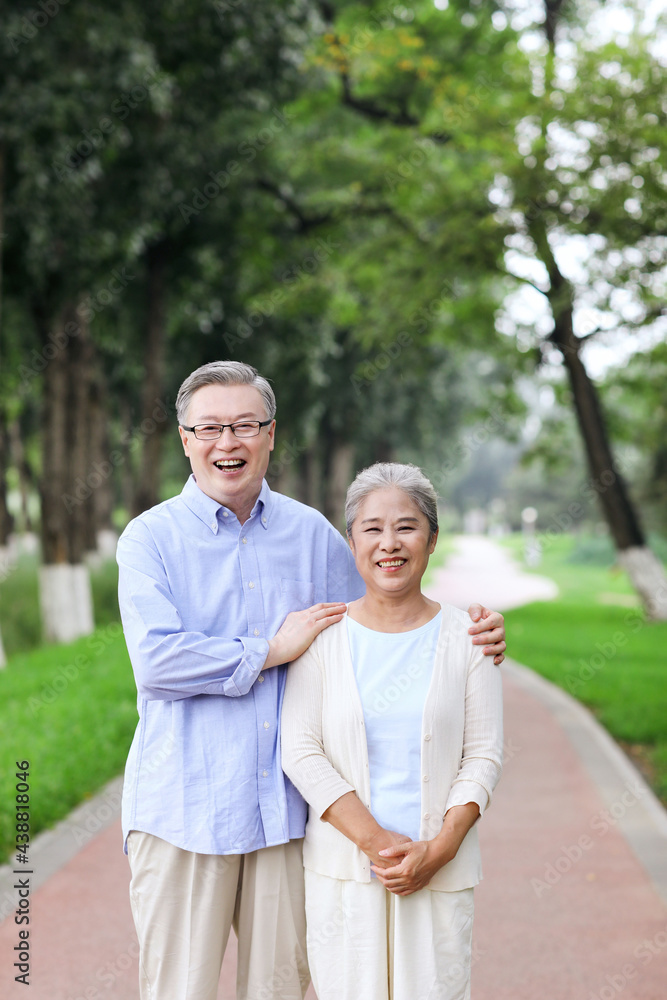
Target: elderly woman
[(392, 732)]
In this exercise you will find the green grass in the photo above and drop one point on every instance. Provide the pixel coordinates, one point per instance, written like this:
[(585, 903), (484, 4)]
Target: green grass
[(604, 653), (71, 711), (68, 709)]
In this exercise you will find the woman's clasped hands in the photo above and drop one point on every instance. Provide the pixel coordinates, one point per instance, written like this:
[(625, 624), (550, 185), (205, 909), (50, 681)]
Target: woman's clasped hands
[(409, 866)]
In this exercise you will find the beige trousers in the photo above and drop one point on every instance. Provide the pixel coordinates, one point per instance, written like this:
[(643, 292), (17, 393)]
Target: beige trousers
[(184, 905), (366, 943)]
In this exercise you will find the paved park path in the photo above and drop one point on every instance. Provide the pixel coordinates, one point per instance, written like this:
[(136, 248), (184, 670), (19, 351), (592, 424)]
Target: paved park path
[(574, 901)]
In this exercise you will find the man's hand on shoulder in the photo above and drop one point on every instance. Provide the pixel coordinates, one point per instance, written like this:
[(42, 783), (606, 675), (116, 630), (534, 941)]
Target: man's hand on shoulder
[(490, 630), (298, 631)]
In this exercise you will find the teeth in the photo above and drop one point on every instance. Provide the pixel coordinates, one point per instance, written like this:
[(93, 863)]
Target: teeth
[(227, 463), (392, 562)]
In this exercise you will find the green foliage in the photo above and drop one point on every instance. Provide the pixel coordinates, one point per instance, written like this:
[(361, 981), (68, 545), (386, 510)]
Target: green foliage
[(71, 711)]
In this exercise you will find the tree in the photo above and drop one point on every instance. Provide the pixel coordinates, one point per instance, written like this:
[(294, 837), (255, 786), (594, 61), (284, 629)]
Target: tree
[(506, 151), (110, 115)]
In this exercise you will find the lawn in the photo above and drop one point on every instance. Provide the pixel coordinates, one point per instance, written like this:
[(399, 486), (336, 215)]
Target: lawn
[(70, 711), (594, 642)]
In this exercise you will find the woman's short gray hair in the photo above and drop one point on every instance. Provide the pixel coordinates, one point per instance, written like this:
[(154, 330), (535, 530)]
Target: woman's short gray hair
[(223, 373), (384, 475)]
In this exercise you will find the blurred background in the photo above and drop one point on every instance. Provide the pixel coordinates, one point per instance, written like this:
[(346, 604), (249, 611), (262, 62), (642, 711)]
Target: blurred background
[(439, 229)]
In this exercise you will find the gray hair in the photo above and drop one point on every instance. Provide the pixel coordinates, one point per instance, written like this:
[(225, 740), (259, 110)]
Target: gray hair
[(384, 475), (224, 373)]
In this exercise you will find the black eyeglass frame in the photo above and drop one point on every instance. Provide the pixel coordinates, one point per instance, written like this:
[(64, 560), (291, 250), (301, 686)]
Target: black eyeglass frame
[(261, 423)]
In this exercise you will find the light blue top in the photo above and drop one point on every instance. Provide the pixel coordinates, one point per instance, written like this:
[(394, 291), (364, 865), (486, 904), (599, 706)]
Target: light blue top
[(200, 595), (393, 672)]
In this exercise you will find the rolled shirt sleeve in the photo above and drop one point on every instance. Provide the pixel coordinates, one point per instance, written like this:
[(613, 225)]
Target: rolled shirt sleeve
[(172, 662)]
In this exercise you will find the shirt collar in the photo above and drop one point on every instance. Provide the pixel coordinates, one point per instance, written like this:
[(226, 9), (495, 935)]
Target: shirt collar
[(209, 511)]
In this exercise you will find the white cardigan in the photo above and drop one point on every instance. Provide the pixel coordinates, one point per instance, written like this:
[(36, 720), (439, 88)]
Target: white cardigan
[(324, 751)]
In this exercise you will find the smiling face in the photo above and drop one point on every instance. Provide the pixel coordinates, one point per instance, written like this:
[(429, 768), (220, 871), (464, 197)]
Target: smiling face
[(391, 542), (229, 470)]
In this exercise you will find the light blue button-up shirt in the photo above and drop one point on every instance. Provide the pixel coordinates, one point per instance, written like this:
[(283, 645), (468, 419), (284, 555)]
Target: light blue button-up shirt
[(200, 596)]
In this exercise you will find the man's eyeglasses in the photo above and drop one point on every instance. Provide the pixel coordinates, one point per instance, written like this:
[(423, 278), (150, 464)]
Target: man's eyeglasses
[(240, 429)]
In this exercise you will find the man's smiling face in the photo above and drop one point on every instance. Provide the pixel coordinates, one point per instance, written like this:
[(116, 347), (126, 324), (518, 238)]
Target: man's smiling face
[(229, 470)]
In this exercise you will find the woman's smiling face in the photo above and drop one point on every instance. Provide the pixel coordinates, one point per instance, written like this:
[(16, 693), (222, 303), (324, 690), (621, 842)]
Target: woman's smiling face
[(391, 542)]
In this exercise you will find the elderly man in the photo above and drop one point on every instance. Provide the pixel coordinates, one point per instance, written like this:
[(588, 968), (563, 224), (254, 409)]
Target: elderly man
[(219, 588)]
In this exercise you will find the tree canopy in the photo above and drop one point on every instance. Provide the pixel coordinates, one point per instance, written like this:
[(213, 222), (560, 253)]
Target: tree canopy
[(400, 215)]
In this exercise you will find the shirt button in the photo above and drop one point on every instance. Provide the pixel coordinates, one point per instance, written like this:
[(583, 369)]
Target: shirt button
[(266, 725), (251, 585), (225, 513), (213, 524), (263, 520), (428, 736), (245, 541), (256, 632), (427, 815), (426, 777), (261, 678), (265, 774)]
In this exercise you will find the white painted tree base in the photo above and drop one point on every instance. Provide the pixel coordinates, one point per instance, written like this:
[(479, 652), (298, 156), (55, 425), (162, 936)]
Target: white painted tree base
[(648, 578), (66, 602), (7, 561), (3, 658)]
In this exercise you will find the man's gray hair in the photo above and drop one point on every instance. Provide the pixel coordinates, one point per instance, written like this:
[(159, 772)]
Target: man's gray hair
[(224, 373), (384, 475)]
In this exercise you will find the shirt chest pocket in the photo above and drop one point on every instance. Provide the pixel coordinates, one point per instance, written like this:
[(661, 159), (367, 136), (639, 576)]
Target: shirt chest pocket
[(296, 595)]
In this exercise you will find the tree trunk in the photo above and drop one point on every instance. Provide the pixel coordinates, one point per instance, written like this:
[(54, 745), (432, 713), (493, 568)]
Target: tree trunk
[(25, 476), (5, 517), (6, 520), (644, 569), (153, 407), (104, 537), (66, 484), (339, 464), (309, 477)]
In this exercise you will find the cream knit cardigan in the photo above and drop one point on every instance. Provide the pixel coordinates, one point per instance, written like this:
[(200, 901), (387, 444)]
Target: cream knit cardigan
[(324, 751)]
